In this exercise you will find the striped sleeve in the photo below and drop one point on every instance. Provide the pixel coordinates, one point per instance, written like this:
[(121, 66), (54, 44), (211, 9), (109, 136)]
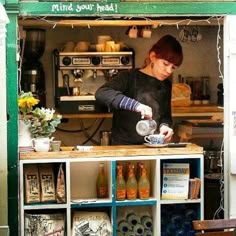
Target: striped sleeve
[(127, 103)]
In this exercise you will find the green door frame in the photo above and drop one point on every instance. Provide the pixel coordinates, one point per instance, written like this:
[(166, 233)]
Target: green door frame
[(80, 9)]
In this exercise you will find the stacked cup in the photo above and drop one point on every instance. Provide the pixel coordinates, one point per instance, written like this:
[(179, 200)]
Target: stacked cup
[(106, 44)]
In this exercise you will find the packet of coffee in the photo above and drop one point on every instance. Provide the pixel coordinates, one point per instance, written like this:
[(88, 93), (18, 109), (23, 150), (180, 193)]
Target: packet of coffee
[(60, 189), (32, 189), (46, 175)]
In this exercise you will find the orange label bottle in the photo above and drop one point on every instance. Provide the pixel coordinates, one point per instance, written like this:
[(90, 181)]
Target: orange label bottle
[(120, 184), (101, 184), (131, 185), (143, 184)]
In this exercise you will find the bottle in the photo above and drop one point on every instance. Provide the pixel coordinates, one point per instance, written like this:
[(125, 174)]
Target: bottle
[(120, 184), (101, 184), (131, 185), (143, 184)]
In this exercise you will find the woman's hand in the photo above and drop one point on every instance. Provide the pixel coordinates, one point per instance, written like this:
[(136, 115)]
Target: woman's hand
[(167, 131), (146, 111)]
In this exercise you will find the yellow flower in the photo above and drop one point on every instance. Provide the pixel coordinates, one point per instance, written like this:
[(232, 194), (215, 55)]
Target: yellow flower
[(26, 101), (31, 101)]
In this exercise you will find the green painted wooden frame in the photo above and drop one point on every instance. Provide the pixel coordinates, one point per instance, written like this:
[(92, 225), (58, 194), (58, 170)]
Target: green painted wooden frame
[(126, 8)]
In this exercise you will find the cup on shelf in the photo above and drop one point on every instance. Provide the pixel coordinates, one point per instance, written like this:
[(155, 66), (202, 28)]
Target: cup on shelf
[(109, 46), (55, 145), (68, 47), (116, 47), (82, 46), (100, 47), (101, 39)]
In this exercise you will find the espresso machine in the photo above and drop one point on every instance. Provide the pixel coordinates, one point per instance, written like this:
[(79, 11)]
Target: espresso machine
[(77, 76)]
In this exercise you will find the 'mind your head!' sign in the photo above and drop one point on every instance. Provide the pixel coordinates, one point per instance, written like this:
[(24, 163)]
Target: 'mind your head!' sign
[(84, 8)]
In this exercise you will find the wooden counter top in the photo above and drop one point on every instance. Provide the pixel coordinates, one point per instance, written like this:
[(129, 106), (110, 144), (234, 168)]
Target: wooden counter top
[(193, 110), (113, 151)]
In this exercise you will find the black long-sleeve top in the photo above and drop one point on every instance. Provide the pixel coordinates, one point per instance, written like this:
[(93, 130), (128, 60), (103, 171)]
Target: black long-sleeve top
[(143, 88)]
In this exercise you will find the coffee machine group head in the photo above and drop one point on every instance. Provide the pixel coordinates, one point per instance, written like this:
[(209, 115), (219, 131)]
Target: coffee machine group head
[(77, 76)]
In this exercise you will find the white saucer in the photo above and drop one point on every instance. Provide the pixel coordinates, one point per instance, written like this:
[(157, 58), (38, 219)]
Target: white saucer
[(156, 145)]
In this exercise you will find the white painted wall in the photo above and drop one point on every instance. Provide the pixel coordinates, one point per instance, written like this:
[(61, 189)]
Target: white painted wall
[(3, 124), (230, 115)]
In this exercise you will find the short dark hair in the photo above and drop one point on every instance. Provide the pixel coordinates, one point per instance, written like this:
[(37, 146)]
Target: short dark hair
[(169, 49)]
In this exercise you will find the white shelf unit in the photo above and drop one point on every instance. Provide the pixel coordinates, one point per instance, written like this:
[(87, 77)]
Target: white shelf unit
[(81, 173)]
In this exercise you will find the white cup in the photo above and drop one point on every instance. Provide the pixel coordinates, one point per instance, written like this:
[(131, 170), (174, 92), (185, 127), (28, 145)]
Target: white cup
[(146, 32), (109, 46), (155, 139), (133, 32), (101, 39), (116, 47), (69, 47), (100, 47), (82, 46)]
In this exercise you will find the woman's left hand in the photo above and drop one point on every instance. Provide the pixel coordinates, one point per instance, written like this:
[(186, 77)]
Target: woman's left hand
[(167, 131)]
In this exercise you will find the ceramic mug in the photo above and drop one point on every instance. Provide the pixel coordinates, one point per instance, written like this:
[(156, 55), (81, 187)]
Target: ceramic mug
[(133, 32), (100, 47), (102, 39), (82, 46), (41, 144), (69, 47), (155, 139), (116, 47), (146, 32), (56, 145), (109, 46)]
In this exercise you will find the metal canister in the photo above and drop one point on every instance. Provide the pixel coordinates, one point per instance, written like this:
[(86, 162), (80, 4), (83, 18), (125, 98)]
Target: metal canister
[(105, 138)]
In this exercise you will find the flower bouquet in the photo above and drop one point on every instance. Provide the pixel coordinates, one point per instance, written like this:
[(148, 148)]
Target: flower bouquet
[(41, 122)]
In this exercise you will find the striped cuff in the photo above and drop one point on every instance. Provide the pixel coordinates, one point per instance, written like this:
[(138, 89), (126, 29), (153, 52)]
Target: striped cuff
[(128, 103)]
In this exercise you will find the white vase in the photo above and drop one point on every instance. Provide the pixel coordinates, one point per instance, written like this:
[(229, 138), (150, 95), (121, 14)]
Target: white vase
[(24, 135), (41, 144)]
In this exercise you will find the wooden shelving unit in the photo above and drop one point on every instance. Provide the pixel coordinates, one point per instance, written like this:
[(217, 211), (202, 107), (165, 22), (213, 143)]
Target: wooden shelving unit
[(81, 169)]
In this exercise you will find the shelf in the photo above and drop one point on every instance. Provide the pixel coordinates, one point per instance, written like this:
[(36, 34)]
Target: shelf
[(136, 202), (180, 201), (128, 152), (40, 206), (188, 111), (91, 205)]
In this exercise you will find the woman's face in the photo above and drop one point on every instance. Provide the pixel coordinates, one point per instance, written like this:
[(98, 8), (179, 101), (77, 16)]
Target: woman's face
[(162, 69)]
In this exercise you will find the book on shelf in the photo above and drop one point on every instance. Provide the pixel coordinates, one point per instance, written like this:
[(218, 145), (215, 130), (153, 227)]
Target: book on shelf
[(194, 188), (175, 181)]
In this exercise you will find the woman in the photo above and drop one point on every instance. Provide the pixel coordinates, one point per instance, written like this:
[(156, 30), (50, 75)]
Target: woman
[(145, 92)]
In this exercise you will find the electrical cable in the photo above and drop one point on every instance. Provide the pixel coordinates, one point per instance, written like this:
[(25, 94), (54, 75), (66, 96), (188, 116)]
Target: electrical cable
[(21, 35), (221, 206), (76, 131), (221, 164), (90, 137)]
